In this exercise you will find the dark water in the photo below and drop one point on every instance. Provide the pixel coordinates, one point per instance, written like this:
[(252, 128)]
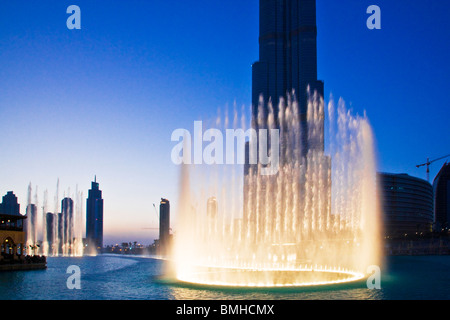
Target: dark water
[(109, 277)]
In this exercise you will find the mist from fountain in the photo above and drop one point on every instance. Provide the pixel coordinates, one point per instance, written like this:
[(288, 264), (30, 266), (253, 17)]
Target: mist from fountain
[(319, 214)]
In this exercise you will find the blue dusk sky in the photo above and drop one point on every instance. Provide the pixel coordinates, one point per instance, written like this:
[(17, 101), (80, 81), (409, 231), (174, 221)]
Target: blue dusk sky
[(104, 100)]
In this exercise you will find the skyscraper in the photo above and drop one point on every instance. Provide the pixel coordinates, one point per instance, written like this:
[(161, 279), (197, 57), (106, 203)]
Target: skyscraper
[(50, 228), (287, 57), (164, 226), (94, 218), (286, 71), (441, 187)]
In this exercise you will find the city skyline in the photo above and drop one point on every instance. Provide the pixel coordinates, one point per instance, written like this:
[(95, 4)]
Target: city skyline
[(130, 89)]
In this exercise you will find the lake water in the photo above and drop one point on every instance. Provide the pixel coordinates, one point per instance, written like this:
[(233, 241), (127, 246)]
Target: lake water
[(109, 277)]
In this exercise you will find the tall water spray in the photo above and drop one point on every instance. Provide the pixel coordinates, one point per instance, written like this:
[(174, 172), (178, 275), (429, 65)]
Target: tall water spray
[(314, 222), (57, 233)]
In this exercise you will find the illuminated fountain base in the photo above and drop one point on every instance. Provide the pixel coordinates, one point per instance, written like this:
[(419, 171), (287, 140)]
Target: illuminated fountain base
[(315, 222), (269, 278)]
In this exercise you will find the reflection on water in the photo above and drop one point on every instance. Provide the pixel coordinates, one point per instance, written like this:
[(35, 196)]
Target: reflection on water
[(139, 278), (109, 263), (342, 292)]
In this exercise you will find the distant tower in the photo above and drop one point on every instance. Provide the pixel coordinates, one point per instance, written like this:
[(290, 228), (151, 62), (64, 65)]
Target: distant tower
[(50, 228), (164, 226), (441, 187), (94, 218)]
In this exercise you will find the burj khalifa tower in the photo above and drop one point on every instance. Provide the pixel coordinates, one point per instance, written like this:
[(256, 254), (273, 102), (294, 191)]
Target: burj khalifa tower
[(287, 58)]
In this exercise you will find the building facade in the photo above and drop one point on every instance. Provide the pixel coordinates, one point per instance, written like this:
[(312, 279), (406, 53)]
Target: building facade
[(94, 218), (12, 235), (441, 188), (407, 204)]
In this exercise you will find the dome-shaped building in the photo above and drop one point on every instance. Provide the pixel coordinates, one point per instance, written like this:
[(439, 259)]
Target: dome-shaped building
[(407, 204)]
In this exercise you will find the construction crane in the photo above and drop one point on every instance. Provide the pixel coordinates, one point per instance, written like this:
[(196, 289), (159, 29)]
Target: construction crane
[(428, 163), (156, 212)]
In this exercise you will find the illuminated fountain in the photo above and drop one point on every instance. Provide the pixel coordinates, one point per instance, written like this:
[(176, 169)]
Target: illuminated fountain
[(55, 234), (315, 222)]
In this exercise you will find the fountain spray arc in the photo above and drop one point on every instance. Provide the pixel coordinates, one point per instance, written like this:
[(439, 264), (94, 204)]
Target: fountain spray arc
[(315, 222), (57, 233)]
